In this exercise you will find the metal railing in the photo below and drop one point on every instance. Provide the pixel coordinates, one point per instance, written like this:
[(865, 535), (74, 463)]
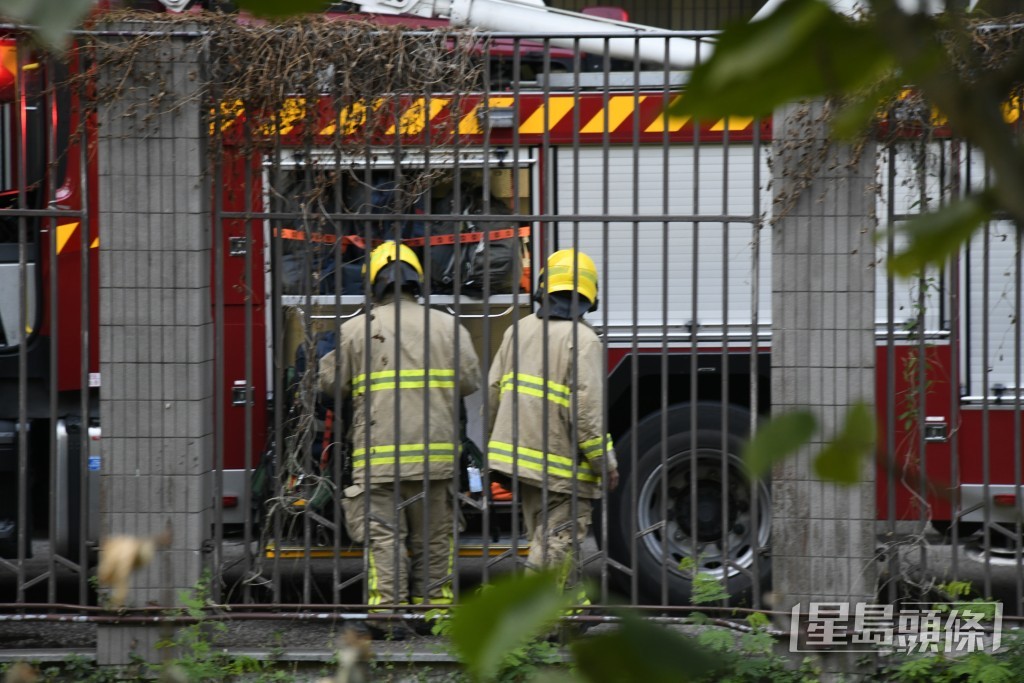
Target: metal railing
[(673, 213)]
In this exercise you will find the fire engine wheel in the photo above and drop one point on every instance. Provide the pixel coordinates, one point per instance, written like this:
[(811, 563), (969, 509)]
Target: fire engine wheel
[(963, 529), (718, 507)]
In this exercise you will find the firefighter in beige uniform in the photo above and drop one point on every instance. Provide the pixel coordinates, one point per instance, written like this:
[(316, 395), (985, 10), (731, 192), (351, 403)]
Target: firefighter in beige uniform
[(424, 388), (578, 454)]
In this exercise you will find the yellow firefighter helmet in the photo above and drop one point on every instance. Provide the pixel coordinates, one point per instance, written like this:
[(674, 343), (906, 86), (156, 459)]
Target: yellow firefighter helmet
[(406, 271), (568, 270)]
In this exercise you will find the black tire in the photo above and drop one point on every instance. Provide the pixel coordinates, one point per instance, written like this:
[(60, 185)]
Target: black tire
[(963, 529), (731, 558)]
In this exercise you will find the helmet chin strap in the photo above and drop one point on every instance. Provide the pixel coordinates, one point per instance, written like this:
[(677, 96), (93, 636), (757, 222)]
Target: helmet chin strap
[(559, 306), (395, 276)]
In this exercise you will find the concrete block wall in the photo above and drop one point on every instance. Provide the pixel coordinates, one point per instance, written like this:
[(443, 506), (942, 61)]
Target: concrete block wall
[(156, 330), (823, 354)]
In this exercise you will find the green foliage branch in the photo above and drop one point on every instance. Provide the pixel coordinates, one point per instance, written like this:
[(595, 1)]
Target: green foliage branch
[(967, 68)]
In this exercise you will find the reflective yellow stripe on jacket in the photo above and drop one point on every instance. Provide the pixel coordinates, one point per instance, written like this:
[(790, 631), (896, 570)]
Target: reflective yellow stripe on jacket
[(528, 458), (408, 454), (592, 448), (404, 379), (533, 385)]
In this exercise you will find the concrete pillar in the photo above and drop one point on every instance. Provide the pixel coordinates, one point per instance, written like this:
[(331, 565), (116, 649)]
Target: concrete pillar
[(823, 354), (156, 330)]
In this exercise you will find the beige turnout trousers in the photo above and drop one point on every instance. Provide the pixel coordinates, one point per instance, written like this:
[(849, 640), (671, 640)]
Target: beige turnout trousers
[(553, 533), (404, 564)]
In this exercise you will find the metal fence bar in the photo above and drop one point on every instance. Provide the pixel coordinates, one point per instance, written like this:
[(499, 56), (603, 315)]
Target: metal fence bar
[(1016, 428), (606, 521), (663, 384), (21, 433), (954, 355), (251, 449), (220, 390), (754, 356), (85, 506), (54, 320)]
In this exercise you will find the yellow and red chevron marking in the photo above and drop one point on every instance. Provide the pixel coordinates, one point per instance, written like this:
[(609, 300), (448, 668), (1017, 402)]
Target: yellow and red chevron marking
[(63, 235), (562, 117)]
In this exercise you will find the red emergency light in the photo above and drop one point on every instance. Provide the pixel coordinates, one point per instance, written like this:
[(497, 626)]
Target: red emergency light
[(8, 70)]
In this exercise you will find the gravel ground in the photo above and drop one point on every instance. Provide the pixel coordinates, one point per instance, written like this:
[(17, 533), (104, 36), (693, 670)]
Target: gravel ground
[(46, 636), (272, 636)]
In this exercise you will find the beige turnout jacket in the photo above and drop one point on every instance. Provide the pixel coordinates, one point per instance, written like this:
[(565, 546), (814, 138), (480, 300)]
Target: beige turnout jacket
[(570, 395), (414, 376)]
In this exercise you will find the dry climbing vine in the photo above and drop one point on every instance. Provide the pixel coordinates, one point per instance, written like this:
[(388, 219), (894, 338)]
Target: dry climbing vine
[(904, 122), (310, 106)]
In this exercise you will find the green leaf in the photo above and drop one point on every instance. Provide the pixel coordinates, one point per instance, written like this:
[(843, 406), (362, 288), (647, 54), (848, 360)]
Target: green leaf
[(503, 617), (854, 117), (918, 669), (757, 642), (707, 589), (860, 109), (983, 668), (698, 618), (956, 588), (758, 620), (840, 460), (777, 439), (552, 676), (801, 50), (642, 651), (986, 608), (278, 9), (53, 19), (717, 640), (933, 237)]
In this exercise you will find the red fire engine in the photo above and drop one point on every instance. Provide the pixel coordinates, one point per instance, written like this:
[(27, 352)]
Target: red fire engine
[(695, 356)]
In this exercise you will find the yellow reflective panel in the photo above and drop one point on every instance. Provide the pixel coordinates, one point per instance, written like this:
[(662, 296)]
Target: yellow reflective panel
[(618, 110), (352, 118), (64, 233), (549, 114), (416, 117), (470, 123), (229, 113), (293, 111), (1011, 109), (667, 120), (734, 123)]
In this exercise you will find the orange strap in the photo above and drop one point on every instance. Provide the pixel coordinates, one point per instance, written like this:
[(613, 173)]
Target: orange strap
[(317, 237), (435, 240), (470, 237)]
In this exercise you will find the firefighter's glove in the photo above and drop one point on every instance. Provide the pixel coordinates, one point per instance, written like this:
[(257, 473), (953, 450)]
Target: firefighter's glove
[(613, 479), (472, 456)]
